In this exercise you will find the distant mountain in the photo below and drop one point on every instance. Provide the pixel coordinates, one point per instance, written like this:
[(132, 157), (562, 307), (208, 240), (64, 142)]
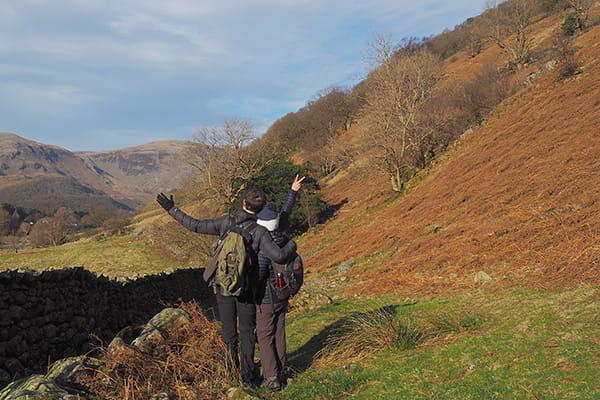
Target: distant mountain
[(152, 167), (45, 177)]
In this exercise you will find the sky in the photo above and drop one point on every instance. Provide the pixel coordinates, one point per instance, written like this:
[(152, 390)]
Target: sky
[(96, 75)]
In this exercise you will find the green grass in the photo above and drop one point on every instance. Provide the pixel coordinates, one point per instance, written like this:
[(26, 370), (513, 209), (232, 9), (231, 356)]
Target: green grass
[(508, 345), (114, 256)]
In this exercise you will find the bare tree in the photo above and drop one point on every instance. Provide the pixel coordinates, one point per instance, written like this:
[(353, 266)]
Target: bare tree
[(508, 27), (54, 230), (581, 10), (223, 160), (334, 155), (399, 88)]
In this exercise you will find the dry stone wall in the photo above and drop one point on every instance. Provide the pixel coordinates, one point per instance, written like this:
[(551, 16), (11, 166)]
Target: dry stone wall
[(49, 315)]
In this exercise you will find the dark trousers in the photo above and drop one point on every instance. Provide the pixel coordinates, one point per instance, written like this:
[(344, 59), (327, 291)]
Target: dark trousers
[(270, 330), (232, 310)]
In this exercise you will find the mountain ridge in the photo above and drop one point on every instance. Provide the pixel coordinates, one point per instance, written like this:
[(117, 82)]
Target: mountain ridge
[(129, 176)]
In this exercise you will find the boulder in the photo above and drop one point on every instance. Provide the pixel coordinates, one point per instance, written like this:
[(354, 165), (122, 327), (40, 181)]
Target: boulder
[(35, 387), (481, 278), (236, 393), (65, 372), (155, 331)]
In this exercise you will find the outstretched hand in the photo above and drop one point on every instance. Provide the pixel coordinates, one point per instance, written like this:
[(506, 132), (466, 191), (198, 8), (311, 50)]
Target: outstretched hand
[(297, 183), (165, 202)]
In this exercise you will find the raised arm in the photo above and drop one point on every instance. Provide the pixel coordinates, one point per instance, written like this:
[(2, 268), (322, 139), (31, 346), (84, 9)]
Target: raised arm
[(288, 204), (207, 226)]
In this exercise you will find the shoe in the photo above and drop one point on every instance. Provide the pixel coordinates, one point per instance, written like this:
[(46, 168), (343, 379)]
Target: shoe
[(271, 383)]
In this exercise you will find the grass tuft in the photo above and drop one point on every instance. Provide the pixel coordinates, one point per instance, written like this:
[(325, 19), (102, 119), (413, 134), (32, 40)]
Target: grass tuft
[(453, 323), (366, 332)]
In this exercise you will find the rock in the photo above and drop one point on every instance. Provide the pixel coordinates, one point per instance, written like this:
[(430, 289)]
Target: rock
[(236, 393), (16, 345), (66, 371), (160, 396), (4, 320), (4, 377), (120, 343), (345, 266), (155, 331), (16, 313), (50, 331), (481, 278), (36, 387), (310, 302), (13, 366)]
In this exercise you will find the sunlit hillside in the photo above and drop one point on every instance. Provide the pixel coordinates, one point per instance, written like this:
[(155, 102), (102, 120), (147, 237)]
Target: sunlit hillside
[(516, 199)]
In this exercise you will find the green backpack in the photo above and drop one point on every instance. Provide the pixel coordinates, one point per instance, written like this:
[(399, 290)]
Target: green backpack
[(231, 260)]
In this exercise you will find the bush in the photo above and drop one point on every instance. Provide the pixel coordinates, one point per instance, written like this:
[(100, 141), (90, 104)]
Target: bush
[(480, 95), (568, 65), (570, 25)]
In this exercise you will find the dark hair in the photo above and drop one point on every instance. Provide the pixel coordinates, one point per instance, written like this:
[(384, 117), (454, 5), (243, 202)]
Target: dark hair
[(255, 200)]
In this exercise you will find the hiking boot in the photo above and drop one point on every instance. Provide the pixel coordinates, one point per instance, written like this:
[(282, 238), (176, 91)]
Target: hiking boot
[(271, 383)]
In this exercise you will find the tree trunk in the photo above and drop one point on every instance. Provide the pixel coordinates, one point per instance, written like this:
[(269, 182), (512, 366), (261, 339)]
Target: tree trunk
[(397, 182)]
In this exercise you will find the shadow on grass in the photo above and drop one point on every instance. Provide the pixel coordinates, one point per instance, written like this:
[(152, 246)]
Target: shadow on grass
[(302, 358)]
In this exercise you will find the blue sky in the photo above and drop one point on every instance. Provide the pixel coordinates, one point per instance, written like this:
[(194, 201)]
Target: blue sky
[(99, 75)]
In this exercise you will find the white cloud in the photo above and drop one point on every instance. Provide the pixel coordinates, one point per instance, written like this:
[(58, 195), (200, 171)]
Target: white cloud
[(53, 97), (181, 63)]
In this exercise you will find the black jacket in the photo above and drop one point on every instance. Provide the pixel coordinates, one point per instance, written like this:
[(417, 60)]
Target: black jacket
[(261, 240)]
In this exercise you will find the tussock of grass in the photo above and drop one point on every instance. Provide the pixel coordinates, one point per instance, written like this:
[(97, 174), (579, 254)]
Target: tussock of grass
[(364, 333), (453, 322)]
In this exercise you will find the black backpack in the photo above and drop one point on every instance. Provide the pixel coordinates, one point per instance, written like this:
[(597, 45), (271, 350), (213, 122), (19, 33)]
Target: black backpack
[(231, 260), (288, 277)]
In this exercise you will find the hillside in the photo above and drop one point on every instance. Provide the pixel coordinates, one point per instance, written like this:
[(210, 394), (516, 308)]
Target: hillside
[(479, 281), (149, 168), (44, 177), (516, 198)]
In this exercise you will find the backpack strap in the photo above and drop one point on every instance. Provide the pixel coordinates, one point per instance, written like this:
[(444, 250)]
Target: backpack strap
[(247, 229), (211, 268)]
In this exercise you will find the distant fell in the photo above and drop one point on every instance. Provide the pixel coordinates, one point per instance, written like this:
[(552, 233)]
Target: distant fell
[(44, 177), (152, 167)]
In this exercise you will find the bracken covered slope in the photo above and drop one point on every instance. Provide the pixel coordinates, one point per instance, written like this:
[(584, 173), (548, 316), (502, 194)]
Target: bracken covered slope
[(517, 199)]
